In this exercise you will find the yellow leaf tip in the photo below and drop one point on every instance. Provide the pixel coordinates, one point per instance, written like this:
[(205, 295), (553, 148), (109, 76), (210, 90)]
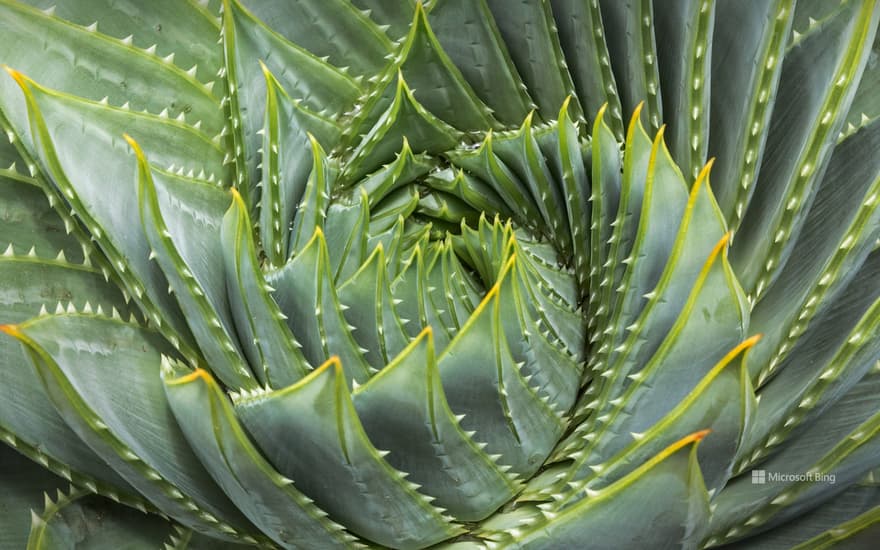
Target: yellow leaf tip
[(20, 78), (11, 330)]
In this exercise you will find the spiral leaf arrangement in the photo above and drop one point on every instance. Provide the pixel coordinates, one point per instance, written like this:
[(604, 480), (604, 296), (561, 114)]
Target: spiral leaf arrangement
[(465, 273)]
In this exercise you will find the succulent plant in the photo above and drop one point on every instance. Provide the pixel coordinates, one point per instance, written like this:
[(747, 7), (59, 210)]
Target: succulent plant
[(465, 273)]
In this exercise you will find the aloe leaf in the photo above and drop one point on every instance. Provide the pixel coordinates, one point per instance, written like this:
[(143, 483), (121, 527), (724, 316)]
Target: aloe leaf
[(800, 139), (312, 208), (270, 500), (188, 539), (248, 42), (151, 83), (406, 168), (843, 519), (76, 139), (366, 490), (77, 519), (336, 30), (78, 358), (394, 16), (460, 290), (482, 58), (842, 443), (22, 486), (407, 289), (745, 73), (606, 182), (865, 106), (424, 437), (587, 54), (370, 306), (28, 421), (629, 402), (483, 163), (684, 63), (406, 119), (859, 533), (187, 29), (833, 355), (432, 77), (664, 201), (722, 402), (437, 83), (699, 235), (482, 381), (530, 35), (629, 34), (266, 339), (625, 227), (473, 191), (27, 219), (521, 153), (602, 518), (286, 163), (574, 183), (558, 320), (306, 284), (171, 209), (823, 262)]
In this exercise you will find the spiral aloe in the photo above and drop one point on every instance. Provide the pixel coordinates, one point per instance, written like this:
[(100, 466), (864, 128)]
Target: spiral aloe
[(464, 273)]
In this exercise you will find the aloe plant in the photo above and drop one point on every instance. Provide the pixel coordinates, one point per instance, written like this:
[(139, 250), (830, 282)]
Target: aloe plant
[(464, 273)]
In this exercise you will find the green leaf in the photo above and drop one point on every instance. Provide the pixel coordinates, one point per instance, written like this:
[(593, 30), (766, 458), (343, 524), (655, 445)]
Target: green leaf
[(424, 437), (825, 259), (607, 166), (746, 64), (335, 29), (394, 16), (471, 39), (521, 154), (683, 34), (248, 42), (405, 119), (188, 29), (530, 35), (171, 210), (370, 306), (483, 382), (82, 148), (80, 520), (88, 364), (28, 221), (269, 499), (839, 448), (604, 518), (483, 163), (629, 33), (632, 401), (22, 486), (336, 464), (286, 163), (839, 520), (834, 353), (266, 339), (28, 421), (582, 37), (305, 284), (801, 137), (129, 75)]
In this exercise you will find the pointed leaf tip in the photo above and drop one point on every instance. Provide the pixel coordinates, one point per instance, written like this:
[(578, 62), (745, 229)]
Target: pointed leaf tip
[(20, 78), (11, 330), (139, 153), (194, 375)]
